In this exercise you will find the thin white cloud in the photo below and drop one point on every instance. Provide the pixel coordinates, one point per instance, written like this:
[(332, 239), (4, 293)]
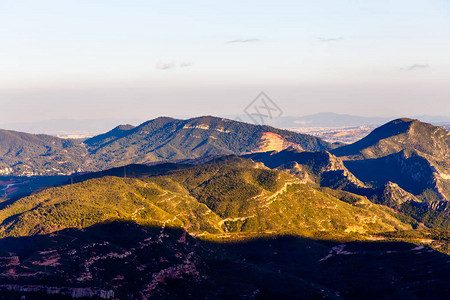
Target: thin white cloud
[(243, 41), (166, 66), (326, 40), (417, 66)]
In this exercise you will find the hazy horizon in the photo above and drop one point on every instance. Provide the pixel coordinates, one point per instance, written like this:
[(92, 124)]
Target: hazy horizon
[(319, 121), (144, 59), (230, 116)]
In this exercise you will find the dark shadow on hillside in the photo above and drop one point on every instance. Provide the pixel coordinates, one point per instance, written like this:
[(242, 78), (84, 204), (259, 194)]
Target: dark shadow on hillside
[(132, 171), (156, 169), (5, 202), (411, 172), (132, 261), (25, 186), (30, 185)]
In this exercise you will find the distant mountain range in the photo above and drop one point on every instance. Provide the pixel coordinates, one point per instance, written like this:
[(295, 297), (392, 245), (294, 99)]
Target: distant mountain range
[(161, 139), (323, 119), (88, 128), (334, 120), (171, 139), (68, 127)]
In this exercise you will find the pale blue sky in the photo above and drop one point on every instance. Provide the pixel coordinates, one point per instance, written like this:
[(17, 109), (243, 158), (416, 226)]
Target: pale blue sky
[(87, 59)]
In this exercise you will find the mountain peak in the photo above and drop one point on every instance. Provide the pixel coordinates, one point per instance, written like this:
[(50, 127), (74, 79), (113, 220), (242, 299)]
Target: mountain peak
[(115, 133), (403, 120), (398, 135), (124, 127)]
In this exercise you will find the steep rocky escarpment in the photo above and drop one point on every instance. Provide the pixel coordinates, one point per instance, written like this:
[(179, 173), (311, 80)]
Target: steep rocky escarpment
[(320, 168)]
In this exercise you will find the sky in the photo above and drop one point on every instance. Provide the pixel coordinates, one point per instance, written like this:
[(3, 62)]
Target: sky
[(91, 59)]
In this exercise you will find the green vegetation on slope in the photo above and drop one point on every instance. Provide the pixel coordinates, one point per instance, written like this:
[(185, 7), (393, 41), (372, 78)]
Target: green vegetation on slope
[(171, 139), (223, 198), (31, 154)]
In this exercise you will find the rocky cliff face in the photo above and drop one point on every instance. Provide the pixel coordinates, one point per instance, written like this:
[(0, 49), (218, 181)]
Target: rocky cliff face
[(394, 196), (274, 142), (321, 168)]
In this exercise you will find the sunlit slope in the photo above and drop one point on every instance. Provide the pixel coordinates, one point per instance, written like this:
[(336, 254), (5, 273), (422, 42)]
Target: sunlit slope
[(220, 199)]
